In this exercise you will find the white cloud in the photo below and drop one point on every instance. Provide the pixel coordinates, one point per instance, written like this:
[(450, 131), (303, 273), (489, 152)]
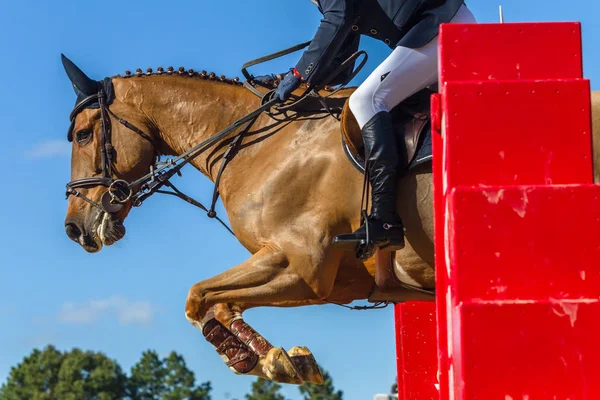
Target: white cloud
[(127, 312), (49, 149)]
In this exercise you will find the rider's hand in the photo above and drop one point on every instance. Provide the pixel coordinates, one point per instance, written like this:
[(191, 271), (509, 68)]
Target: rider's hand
[(290, 83), (265, 80)]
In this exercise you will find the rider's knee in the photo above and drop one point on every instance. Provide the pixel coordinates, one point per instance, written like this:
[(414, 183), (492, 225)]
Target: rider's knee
[(364, 105), (358, 101)]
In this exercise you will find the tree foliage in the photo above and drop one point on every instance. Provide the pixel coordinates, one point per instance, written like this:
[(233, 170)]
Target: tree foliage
[(326, 391), (263, 389), (153, 378), (49, 374)]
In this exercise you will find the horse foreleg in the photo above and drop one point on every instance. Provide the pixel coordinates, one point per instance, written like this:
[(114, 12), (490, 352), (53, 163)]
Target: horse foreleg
[(265, 279), (297, 365)]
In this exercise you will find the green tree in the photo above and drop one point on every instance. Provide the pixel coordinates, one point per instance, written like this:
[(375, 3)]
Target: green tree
[(326, 391), (89, 375), (263, 389), (50, 375), (153, 378)]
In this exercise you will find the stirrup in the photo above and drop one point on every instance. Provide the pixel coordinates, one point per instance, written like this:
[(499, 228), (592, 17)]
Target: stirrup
[(363, 248)]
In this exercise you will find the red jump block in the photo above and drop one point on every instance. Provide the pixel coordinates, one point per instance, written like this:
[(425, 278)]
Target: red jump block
[(416, 350), (527, 350), (523, 133), (524, 290), (481, 52), (524, 243)]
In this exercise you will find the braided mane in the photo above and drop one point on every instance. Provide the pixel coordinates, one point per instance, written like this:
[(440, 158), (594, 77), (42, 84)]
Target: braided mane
[(190, 73)]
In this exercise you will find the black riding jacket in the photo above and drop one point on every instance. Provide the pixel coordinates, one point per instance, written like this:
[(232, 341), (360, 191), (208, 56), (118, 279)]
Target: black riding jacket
[(408, 23)]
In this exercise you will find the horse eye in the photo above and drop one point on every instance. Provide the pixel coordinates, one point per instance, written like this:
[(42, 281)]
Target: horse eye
[(83, 137)]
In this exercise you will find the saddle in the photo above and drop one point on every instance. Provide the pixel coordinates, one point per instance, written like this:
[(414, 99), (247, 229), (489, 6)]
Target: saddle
[(410, 119)]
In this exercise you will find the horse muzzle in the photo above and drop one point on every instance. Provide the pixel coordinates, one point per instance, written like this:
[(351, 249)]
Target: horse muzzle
[(76, 231)]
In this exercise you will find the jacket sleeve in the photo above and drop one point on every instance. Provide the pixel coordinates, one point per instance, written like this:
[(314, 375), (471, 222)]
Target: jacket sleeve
[(330, 37), (349, 47)]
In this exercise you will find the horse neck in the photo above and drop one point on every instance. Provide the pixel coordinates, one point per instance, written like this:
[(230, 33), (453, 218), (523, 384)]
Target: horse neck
[(183, 112)]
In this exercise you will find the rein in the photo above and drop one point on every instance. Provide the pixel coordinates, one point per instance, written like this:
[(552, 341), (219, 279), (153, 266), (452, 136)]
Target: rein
[(312, 90)]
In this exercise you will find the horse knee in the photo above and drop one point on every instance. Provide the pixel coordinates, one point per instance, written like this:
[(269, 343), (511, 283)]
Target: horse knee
[(195, 302)]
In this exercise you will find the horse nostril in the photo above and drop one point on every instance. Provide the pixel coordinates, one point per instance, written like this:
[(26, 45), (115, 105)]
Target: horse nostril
[(73, 231)]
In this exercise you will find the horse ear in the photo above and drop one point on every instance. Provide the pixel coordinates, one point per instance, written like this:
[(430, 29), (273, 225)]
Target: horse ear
[(82, 84)]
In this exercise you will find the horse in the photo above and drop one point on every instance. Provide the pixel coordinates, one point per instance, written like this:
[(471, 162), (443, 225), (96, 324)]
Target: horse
[(288, 192)]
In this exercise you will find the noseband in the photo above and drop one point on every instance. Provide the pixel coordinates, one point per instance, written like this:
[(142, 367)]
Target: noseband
[(119, 191)]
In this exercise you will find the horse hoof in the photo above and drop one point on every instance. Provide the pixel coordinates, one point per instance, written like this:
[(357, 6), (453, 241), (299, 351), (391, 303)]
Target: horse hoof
[(278, 367), (306, 365)]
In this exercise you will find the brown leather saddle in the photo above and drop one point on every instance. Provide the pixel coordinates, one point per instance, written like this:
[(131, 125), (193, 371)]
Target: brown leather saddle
[(411, 120)]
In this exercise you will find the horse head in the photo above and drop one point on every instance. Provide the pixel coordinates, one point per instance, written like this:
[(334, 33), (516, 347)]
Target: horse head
[(107, 155)]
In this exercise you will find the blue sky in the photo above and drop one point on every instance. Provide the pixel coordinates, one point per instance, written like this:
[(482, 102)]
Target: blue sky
[(131, 296)]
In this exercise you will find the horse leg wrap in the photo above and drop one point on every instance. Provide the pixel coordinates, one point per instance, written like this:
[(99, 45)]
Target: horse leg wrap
[(254, 340), (234, 352)]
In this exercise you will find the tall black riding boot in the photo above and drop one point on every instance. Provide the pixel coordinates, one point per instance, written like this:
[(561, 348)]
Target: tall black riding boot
[(386, 230)]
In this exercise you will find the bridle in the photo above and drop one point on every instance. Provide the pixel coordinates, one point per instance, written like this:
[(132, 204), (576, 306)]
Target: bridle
[(121, 191)]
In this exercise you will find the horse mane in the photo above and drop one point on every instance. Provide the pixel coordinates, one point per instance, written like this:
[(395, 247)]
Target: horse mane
[(190, 73), (182, 72)]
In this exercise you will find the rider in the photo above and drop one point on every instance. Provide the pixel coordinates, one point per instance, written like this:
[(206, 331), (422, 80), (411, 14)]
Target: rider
[(410, 28)]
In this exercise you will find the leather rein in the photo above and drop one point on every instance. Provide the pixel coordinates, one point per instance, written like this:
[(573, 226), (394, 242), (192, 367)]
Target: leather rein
[(121, 191)]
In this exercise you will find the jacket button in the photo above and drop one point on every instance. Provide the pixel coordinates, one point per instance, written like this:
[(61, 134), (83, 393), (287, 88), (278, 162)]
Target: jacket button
[(387, 41), (354, 28), (373, 31)]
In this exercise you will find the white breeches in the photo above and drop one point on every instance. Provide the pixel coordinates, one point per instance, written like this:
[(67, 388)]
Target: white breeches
[(402, 74)]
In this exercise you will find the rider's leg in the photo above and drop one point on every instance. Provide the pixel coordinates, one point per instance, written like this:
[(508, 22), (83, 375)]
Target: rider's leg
[(403, 73)]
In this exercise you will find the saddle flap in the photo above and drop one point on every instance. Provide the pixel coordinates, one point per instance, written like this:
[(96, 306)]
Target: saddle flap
[(351, 132)]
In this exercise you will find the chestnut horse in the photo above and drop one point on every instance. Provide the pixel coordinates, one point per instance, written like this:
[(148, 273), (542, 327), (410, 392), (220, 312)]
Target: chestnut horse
[(287, 192)]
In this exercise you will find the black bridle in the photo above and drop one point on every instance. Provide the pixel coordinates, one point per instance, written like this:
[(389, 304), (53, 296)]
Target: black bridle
[(120, 191)]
